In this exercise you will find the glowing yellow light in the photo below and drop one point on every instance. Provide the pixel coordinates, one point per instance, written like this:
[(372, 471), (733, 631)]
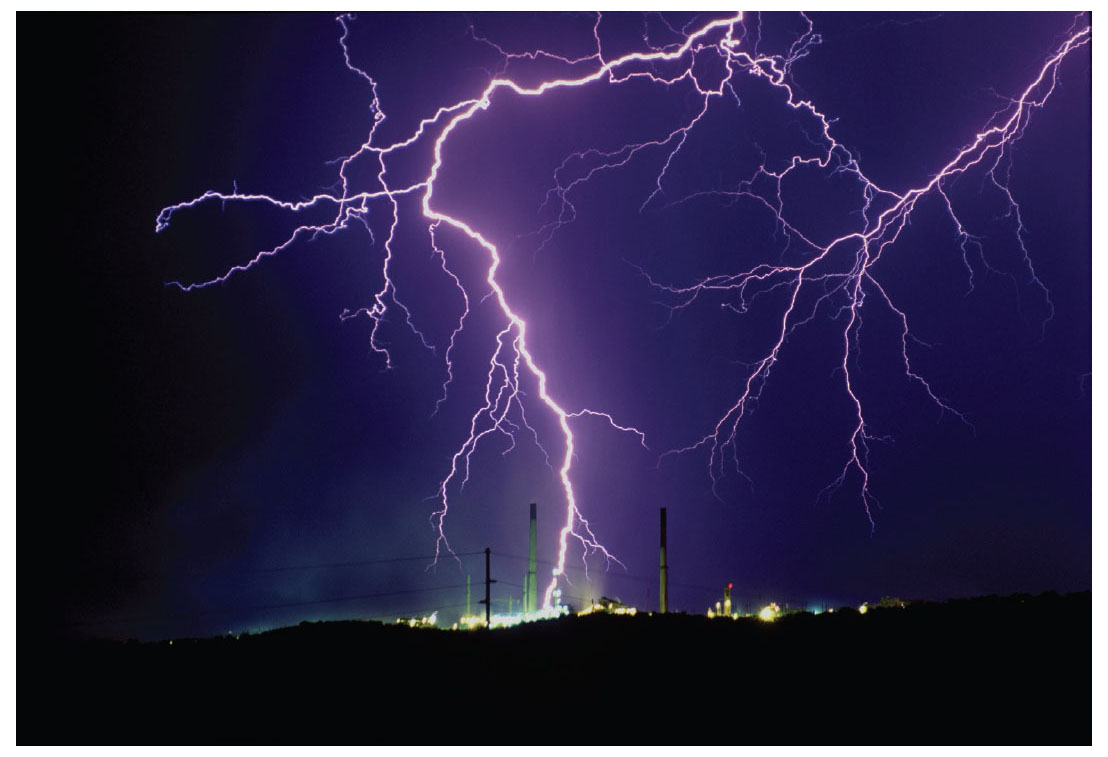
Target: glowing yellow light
[(470, 622), (863, 609), (769, 612)]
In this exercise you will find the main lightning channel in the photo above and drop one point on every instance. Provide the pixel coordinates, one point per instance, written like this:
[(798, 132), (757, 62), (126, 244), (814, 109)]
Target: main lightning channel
[(573, 515)]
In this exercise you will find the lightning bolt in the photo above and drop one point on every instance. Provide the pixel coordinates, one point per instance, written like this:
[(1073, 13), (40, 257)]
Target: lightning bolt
[(851, 280), (835, 276)]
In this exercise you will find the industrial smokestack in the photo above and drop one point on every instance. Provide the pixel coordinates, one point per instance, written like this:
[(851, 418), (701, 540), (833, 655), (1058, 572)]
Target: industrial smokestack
[(727, 600), (533, 566), (663, 571)]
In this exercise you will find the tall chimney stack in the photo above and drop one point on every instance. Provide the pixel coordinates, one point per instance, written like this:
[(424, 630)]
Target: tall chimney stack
[(533, 567), (663, 571)]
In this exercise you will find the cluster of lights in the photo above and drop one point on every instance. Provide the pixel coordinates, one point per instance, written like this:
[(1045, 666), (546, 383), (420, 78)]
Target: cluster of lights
[(719, 613), (772, 611), (469, 622), (427, 621), (769, 612), (507, 620), (515, 619), (609, 607)]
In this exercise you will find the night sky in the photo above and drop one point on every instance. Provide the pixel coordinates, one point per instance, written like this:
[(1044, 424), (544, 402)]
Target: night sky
[(229, 458)]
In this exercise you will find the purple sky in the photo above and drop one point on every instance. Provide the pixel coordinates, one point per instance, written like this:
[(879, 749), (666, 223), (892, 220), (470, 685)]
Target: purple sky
[(205, 437)]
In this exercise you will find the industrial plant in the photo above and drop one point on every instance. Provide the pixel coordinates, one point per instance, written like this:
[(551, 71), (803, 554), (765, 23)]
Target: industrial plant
[(530, 611)]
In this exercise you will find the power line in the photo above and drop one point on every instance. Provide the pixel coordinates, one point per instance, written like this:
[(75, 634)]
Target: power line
[(351, 598), (409, 613), (257, 608), (357, 563), (629, 576), (186, 575)]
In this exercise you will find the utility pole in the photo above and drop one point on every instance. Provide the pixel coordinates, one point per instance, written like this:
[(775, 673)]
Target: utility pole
[(532, 566), (487, 601), (663, 571), (468, 613)]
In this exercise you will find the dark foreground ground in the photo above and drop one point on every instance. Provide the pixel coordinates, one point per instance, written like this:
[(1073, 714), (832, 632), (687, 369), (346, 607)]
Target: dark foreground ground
[(992, 670)]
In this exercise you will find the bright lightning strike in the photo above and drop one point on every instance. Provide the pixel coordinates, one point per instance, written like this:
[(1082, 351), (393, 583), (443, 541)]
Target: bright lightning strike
[(835, 278)]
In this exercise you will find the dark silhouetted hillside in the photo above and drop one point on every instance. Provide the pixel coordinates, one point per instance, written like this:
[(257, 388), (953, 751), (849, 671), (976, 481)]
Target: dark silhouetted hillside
[(1010, 670)]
